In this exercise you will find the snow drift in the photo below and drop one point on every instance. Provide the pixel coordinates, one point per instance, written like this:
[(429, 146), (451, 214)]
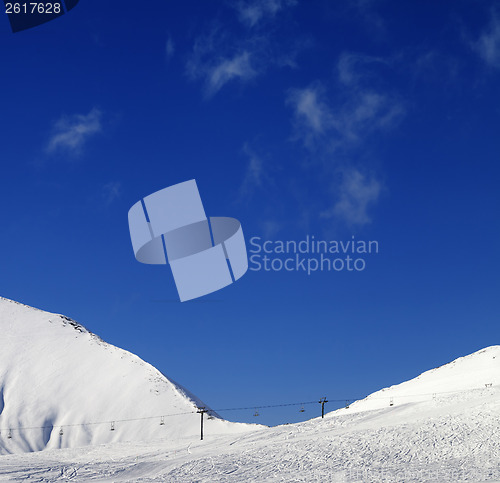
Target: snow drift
[(62, 386)]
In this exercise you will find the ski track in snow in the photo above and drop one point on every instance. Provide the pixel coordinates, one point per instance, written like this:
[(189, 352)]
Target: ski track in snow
[(456, 440)]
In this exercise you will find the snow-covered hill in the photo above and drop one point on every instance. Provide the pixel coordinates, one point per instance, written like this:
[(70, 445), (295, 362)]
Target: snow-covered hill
[(468, 377), (443, 426), (57, 377)]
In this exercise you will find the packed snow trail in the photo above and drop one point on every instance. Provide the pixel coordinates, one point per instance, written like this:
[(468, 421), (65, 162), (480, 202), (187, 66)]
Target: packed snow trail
[(448, 440)]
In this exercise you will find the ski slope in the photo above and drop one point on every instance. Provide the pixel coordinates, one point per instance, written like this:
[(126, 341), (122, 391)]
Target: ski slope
[(452, 438), (442, 426), (55, 375)]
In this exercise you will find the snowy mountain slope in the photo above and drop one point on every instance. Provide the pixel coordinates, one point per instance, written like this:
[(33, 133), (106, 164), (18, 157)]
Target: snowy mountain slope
[(468, 377), (451, 438), (54, 374)]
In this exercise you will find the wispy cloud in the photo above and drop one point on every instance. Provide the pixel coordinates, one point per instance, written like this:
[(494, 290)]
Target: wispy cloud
[(357, 192), (488, 43), (70, 133), (311, 110), (169, 48), (221, 56), (252, 12), (216, 70), (335, 121), (256, 176), (335, 125), (371, 111), (238, 67), (355, 108), (111, 191)]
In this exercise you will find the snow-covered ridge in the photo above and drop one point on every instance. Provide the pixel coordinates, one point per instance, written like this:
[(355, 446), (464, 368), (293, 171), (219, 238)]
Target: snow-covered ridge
[(474, 374), (58, 377), (64, 319)]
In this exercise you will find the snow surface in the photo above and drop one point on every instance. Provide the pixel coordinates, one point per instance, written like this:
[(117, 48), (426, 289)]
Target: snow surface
[(56, 374), (443, 426)]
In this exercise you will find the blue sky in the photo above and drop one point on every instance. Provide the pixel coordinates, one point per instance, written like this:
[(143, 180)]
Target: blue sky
[(374, 119)]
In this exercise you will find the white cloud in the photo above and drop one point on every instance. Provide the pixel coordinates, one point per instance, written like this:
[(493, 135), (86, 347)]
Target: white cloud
[(336, 122), (221, 56), (207, 63), (112, 191), (169, 48), (256, 176), (488, 44), (253, 12), (70, 133), (357, 193), (368, 108), (339, 124), (238, 67), (370, 111), (310, 108)]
